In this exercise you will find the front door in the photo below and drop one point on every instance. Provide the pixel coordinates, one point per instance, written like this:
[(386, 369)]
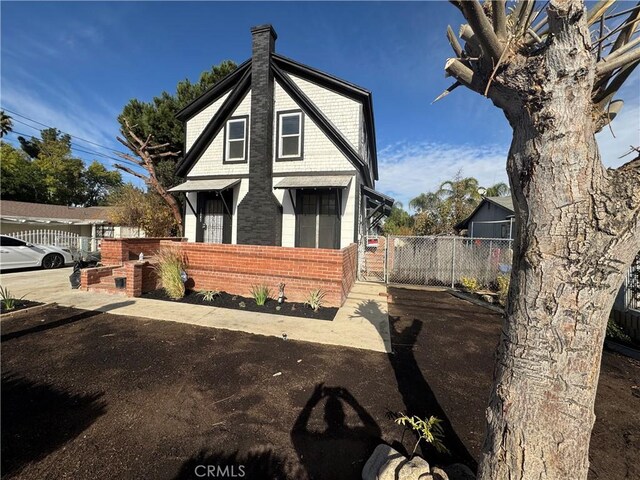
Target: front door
[(214, 218)]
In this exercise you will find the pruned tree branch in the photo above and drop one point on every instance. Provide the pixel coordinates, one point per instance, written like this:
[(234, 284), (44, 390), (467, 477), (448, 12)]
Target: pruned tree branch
[(455, 45), (460, 72), (499, 18), (605, 65), (629, 26), (482, 28), (132, 172)]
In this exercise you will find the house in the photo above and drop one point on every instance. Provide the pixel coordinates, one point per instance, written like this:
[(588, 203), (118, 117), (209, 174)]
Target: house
[(280, 154), (494, 217), (43, 223)]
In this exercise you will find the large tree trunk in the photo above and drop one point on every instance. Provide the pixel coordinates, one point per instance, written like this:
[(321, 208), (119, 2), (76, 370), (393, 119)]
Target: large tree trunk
[(576, 236)]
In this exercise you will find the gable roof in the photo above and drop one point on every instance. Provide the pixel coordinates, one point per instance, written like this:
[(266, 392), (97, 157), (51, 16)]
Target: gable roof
[(239, 83), (10, 209), (342, 87), (505, 203), (215, 124), (216, 91)]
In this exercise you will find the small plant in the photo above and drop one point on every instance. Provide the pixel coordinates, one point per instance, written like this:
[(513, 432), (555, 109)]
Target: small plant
[(428, 430), (503, 288), (208, 295), (470, 283), (615, 332), (260, 293), (7, 300), (315, 299), (169, 269)]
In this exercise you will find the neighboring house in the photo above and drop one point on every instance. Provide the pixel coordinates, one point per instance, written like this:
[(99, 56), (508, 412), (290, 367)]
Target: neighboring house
[(20, 217), (278, 153), (494, 217)]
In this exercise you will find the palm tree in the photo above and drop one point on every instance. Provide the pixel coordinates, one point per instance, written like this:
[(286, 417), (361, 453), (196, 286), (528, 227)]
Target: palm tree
[(500, 189), (6, 125), (425, 202), (461, 195)]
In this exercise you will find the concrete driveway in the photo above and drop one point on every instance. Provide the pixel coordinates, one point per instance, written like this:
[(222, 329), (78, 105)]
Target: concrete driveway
[(38, 285), (362, 322)]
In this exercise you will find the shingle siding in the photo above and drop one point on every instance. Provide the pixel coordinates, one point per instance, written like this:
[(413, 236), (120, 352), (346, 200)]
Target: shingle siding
[(211, 161), (320, 154), (196, 124)]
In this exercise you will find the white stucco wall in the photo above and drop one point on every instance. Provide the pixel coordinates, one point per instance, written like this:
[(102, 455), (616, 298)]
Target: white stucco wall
[(211, 161)]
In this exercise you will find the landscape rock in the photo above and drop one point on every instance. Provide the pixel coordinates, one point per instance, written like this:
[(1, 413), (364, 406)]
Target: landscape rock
[(439, 474), (458, 471), (487, 298), (387, 463)]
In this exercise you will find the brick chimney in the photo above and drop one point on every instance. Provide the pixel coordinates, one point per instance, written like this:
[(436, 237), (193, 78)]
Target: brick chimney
[(259, 212)]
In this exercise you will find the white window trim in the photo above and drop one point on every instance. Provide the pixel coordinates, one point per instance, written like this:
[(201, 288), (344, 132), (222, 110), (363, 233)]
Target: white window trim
[(281, 136), (227, 141)]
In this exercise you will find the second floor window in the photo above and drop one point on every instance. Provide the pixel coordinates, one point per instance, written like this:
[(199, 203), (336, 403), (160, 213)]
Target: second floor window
[(290, 135), (236, 140)]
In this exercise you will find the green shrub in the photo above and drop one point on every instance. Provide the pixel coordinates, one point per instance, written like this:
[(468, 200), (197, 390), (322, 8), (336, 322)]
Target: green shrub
[(260, 293), (503, 288), (615, 332), (7, 299), (169, 269), (428, 430), (315, 299), (470, 283), (208, 295)]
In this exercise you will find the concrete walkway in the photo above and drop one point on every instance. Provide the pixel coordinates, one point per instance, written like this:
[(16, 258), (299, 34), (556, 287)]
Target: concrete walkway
[(362, 322)]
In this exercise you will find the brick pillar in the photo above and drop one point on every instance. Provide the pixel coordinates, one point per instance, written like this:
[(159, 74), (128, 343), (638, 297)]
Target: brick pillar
[(133, 272), (259, 212)]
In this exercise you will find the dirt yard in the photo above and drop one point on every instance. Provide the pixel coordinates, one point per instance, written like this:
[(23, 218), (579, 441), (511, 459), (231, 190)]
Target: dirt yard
[(89, 395)]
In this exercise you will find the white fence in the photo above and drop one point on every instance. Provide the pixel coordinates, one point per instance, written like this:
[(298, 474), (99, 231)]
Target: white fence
[(437, 261), (79, 245)]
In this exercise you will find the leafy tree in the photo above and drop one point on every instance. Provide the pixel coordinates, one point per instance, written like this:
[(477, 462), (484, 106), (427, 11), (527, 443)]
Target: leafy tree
[(99, 184), (399, 222), (578, 224), (45, 171), (138, 209), (155, 136), (6, 125), (20, 180), (158, 117), (438, 212), (61, 173), (498, 190)]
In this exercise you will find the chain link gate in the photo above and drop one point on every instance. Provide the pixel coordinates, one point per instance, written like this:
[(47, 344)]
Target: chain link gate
[(435, 261)]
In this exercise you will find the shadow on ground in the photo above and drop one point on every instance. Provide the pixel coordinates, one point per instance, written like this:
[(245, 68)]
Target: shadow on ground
[(340, 440), (38, 418), (83, 315), (418, 397)]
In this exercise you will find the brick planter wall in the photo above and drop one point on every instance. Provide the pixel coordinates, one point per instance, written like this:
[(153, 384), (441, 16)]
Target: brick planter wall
[(236, 268), (116, 251)]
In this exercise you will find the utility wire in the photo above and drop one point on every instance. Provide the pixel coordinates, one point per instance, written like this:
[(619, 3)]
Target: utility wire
[(77, 149), (49, 126)]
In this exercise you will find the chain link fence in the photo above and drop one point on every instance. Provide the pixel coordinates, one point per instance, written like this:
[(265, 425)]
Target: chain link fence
[(437, 261)]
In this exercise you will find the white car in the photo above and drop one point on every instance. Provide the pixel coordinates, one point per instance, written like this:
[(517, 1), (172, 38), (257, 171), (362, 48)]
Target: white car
[(15, 253)]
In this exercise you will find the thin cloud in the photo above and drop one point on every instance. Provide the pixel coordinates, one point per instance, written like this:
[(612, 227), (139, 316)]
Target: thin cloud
[(408, 169)]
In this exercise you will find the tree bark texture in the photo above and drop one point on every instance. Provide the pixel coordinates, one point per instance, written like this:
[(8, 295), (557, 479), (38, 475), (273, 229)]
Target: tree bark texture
[(577, 233)]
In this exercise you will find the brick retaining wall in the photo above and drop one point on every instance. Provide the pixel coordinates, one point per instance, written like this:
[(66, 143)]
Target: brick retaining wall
[(236, 268), (116, 251)]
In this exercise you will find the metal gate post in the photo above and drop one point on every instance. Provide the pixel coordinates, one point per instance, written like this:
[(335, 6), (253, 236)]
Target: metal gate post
[(453, 262), (384, 261)]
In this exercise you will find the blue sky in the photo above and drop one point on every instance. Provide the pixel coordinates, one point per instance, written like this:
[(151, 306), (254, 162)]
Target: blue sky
[(75, 65)]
